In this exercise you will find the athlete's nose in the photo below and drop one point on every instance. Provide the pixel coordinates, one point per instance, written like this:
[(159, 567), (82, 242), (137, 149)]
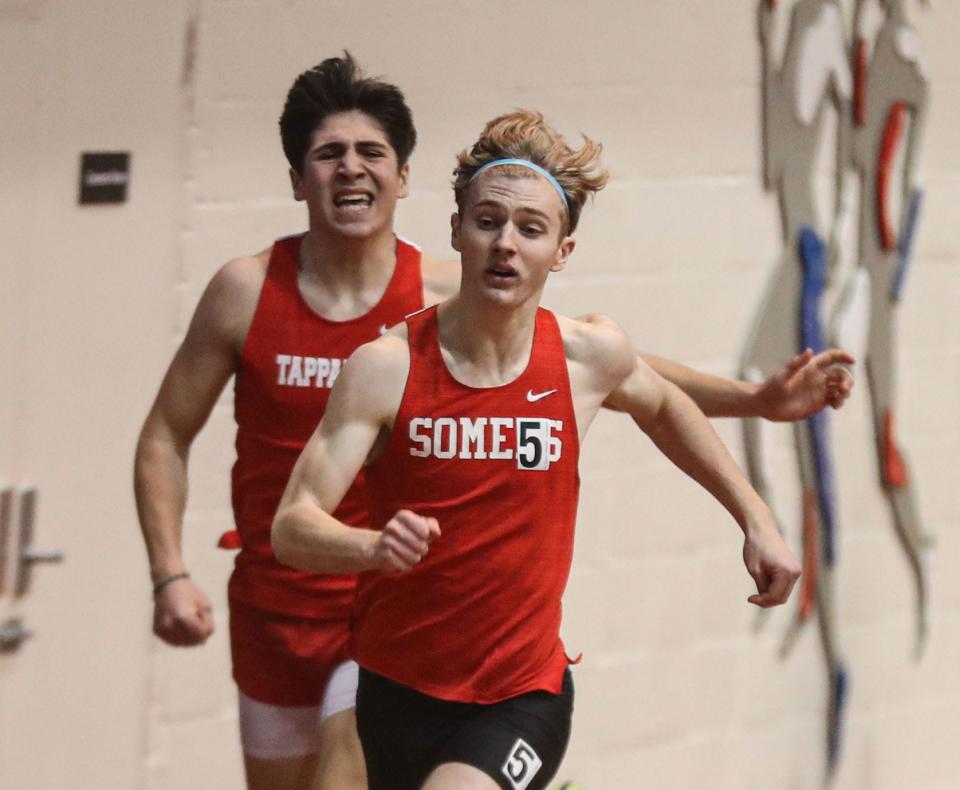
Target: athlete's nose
[(506, 238), (350, 166)]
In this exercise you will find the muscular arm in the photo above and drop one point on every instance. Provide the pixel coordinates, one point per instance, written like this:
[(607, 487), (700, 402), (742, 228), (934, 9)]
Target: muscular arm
[(305, 534), (801, 388), (201, 367), (684, 435)]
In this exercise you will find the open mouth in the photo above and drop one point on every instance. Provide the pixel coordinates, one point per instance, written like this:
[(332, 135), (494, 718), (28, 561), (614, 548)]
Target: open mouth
[(353, 200), (501, 275), (501, 271)]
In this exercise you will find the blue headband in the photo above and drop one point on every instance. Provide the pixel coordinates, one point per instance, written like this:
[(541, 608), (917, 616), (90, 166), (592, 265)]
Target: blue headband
[(530, 166)]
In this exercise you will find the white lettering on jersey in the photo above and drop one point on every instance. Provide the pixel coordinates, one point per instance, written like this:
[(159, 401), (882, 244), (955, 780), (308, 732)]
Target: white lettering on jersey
[(536, 442), (448, 448), (297, 371), (334, 371), (424, 440), (282, 361), (310, 368), (500, 424), (471, 437)]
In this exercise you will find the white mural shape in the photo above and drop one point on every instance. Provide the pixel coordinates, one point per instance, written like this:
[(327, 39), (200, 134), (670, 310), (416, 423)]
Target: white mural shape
[(890, 110), (875, 94)]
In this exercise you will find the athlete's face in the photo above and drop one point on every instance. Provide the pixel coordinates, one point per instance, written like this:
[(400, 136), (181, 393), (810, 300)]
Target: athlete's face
[(350, 179), (510, 236)]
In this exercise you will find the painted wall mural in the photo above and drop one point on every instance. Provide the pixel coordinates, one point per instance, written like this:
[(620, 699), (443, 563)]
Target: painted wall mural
[(866, 91)]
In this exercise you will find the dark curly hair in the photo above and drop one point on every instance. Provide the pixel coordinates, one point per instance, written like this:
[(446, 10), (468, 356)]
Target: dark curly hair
[(339, 85)]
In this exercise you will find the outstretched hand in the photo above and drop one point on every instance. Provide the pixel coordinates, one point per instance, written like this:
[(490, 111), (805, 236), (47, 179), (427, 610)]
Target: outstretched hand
[(806, 384), (182, 614), (405, 541)]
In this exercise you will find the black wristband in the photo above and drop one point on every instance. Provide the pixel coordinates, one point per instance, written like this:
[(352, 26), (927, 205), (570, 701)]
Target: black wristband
[(164, 582)]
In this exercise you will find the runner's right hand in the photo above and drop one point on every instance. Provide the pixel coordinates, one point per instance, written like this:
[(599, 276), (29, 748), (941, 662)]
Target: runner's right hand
[(405, 541), (182, 614)]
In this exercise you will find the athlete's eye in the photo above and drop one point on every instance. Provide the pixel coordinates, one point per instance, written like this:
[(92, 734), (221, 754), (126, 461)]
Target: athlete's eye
[(485, 223), (532, 229)]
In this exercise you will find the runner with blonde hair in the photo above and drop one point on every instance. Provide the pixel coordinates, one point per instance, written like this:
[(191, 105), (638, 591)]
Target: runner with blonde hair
[(467, 420), (281, 321), (525, 136)]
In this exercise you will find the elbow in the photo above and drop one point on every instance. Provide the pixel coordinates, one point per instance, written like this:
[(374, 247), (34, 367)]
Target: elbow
[(280, 539), (158, 442), (148, 446)]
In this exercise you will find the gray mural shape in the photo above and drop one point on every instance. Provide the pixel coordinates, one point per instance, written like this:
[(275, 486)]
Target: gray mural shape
[(877, 95), (814, 80)]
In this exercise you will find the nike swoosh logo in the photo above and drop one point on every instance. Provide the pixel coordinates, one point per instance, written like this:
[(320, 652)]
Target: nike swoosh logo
[(534, 397)]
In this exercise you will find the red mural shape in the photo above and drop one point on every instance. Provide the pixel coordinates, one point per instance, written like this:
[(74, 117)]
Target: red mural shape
[(892, 134)]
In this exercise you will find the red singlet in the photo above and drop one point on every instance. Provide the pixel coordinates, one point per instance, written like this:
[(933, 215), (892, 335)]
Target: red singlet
[(479, 619), (291, 358)]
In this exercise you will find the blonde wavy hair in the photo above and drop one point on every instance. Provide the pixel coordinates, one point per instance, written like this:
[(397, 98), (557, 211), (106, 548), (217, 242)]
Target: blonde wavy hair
[(524, 134)]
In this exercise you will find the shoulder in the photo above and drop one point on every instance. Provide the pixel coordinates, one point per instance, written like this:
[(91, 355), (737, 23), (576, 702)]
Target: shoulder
[(229, 301), (597, 342), (387, 351), (380, 361), (373, 379), (441, 279), (241, 278)]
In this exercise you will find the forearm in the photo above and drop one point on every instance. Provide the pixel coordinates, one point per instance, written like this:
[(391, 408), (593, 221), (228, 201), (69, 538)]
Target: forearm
[(160, 488), (306, 537), (685, 436), (681, 431), (714, 395)]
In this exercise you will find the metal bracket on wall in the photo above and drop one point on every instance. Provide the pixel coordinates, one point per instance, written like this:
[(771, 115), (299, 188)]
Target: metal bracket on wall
[(6, 517), (6, 530), (29, 555)]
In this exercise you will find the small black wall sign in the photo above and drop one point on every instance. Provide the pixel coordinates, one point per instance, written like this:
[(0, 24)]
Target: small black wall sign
[(104, 177)]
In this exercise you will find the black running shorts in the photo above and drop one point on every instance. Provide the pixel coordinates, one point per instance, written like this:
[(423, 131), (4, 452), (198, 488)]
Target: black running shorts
[(518, 742)]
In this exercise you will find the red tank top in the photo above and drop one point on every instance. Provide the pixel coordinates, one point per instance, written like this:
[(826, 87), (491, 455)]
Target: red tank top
[(479, 619), (291, 358)]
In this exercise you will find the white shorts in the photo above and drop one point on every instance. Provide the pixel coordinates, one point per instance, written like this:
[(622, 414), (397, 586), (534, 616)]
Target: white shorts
[(271, 732)]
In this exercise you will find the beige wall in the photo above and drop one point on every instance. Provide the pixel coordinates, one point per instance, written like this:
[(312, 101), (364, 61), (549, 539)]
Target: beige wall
[(87, 318), (681, 685)]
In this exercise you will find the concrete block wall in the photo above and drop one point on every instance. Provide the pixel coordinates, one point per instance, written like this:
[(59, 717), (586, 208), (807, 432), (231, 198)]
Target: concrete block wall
[(84, 298), (681, 685)]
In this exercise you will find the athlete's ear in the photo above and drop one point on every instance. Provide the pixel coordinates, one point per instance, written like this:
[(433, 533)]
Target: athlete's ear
[(404, 189), (564, 251), (455, 231), (296, 181)]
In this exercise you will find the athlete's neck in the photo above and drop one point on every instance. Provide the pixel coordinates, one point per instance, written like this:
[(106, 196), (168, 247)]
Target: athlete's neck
[(484, 345), (334, 259), (342, 278)]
